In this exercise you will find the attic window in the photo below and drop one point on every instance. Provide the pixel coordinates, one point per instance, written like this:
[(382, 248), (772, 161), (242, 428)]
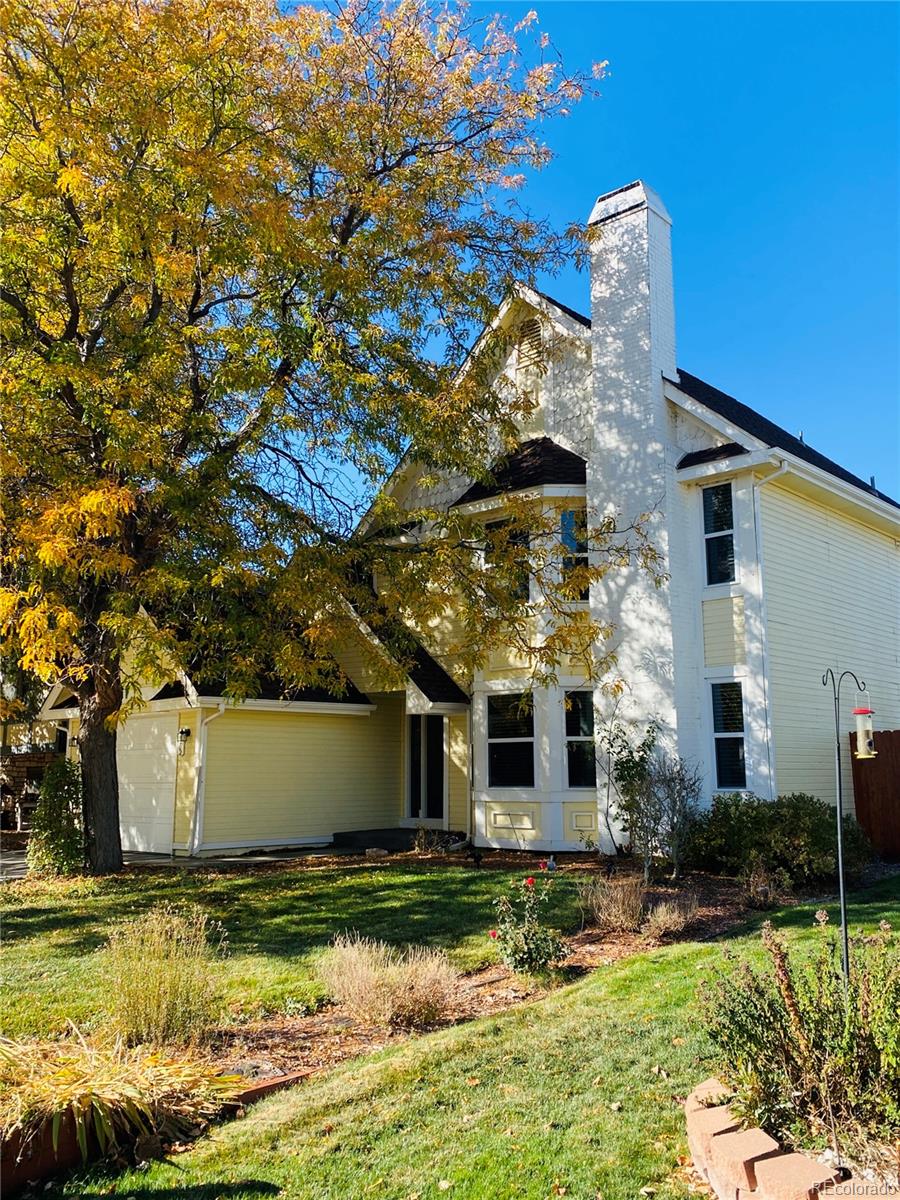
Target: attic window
[(529, 344)]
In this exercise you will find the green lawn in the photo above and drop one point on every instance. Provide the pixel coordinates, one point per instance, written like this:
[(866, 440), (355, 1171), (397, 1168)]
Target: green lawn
[(565, 1093), (277, 922)]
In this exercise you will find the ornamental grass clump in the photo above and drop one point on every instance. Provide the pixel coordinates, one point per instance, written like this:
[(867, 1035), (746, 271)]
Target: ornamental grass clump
[(112, 1093), (525, 942), (808, 1062), (613, 905), (382, 985), (161, 973)]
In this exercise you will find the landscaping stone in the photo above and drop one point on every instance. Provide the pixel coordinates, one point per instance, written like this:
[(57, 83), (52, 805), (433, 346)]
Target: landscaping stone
[(703, 1125), (792, 1177), (748, 1164), (709, 1092), (735, 1155), (376, 852)]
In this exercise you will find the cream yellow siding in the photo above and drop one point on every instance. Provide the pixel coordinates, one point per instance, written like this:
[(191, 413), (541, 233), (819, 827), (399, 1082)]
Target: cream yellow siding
[(724, 636), (458, 772), (832, 589), (186, 777), (283, 777), (513, 820), (580, 820)]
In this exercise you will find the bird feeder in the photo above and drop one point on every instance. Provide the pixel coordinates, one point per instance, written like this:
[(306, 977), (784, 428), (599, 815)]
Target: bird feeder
[(865, 738)]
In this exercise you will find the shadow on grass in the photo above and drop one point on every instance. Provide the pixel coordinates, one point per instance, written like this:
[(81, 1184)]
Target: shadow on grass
[(246, 1189), (285, 913)]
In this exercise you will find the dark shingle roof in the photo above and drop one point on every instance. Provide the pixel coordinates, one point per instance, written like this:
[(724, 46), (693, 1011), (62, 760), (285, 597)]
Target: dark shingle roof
[(767, 431), (696, 458), (534, 463)]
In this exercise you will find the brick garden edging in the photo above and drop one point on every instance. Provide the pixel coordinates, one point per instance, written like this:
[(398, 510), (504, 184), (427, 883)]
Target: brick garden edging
[(747, 1164)]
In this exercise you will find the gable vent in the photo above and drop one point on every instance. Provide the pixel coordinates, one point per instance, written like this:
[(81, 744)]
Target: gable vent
[(529, 344)]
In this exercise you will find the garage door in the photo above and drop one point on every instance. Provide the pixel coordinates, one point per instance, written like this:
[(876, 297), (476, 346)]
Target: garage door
[(146, 757)]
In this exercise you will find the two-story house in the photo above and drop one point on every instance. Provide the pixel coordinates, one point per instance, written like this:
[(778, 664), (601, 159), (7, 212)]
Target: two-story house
[(779, 564)]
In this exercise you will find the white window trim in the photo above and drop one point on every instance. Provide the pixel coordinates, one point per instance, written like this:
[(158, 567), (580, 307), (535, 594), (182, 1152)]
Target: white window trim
[(582, 789), (718, 789), (407, 821), (491, 741), (728, 587)]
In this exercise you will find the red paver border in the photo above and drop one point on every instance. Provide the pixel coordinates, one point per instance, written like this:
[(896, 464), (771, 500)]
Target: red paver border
[(747, 1164)]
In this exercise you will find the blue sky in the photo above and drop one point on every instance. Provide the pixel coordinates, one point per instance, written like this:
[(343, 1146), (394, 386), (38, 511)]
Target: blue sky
[(771, 132)]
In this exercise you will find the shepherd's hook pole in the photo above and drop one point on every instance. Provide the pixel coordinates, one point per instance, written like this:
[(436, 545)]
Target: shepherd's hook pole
[(836, 692)]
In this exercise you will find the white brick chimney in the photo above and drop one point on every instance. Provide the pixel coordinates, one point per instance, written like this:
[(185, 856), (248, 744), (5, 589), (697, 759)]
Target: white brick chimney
[(633, 347)]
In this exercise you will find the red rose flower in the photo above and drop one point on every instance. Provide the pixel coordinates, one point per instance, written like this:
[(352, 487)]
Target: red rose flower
[(493, 933), (529, 882)]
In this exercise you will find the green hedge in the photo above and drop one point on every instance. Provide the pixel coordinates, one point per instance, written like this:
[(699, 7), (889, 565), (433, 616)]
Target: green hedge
[(794, 834)]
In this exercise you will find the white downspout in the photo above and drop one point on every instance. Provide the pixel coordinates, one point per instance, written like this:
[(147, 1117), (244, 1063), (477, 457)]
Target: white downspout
[(757, 531), (197, 824)]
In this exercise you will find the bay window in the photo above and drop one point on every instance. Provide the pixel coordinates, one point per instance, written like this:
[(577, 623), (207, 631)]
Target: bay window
[(510, 735), (581, 761)]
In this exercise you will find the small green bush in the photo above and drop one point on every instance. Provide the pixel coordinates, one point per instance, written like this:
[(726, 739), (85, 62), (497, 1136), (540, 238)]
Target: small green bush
[(806, 1059), (525, 943), (161, 974), (56, 843), (793, 837)]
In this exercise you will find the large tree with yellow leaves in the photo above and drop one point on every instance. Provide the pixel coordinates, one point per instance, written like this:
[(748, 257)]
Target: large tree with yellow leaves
[(244, 251)]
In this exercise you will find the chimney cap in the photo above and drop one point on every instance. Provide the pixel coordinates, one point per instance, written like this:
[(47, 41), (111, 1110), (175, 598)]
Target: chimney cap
[(627, 199)]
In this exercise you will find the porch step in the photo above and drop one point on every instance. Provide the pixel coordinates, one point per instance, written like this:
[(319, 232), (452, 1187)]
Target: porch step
[(364, 839)]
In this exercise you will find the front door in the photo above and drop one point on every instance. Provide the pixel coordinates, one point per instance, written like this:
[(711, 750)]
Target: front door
[(425, 768)]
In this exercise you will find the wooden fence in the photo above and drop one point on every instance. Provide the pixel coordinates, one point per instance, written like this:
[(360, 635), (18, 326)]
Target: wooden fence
[(876, 788)]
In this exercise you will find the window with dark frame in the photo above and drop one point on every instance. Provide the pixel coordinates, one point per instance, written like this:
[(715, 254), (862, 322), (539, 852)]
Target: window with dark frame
[(574, 538), (581, 760), (718, 532), (519, 539), (728, 731), (510, 733)]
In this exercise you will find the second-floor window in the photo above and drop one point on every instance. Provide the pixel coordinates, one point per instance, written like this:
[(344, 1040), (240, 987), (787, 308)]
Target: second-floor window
[(718, 532), (581, 761), (574, 538), (510, 736), (504, 541)]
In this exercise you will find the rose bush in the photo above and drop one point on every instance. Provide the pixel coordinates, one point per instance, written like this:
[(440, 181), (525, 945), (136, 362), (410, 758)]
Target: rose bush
[(525, 942)]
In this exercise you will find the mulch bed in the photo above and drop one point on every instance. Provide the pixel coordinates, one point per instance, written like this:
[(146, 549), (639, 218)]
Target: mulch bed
[(280, 1044)]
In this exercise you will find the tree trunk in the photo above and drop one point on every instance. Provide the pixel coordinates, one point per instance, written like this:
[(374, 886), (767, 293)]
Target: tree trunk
[(100, 784)]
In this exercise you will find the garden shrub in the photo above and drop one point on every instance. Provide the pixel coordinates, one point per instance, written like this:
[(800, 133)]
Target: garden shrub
[(794, 834), (161, 975), (56, 842), (613, 905), (383, 985), (671, 916), (113, 1093), (525, 942), (804, 1059)]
